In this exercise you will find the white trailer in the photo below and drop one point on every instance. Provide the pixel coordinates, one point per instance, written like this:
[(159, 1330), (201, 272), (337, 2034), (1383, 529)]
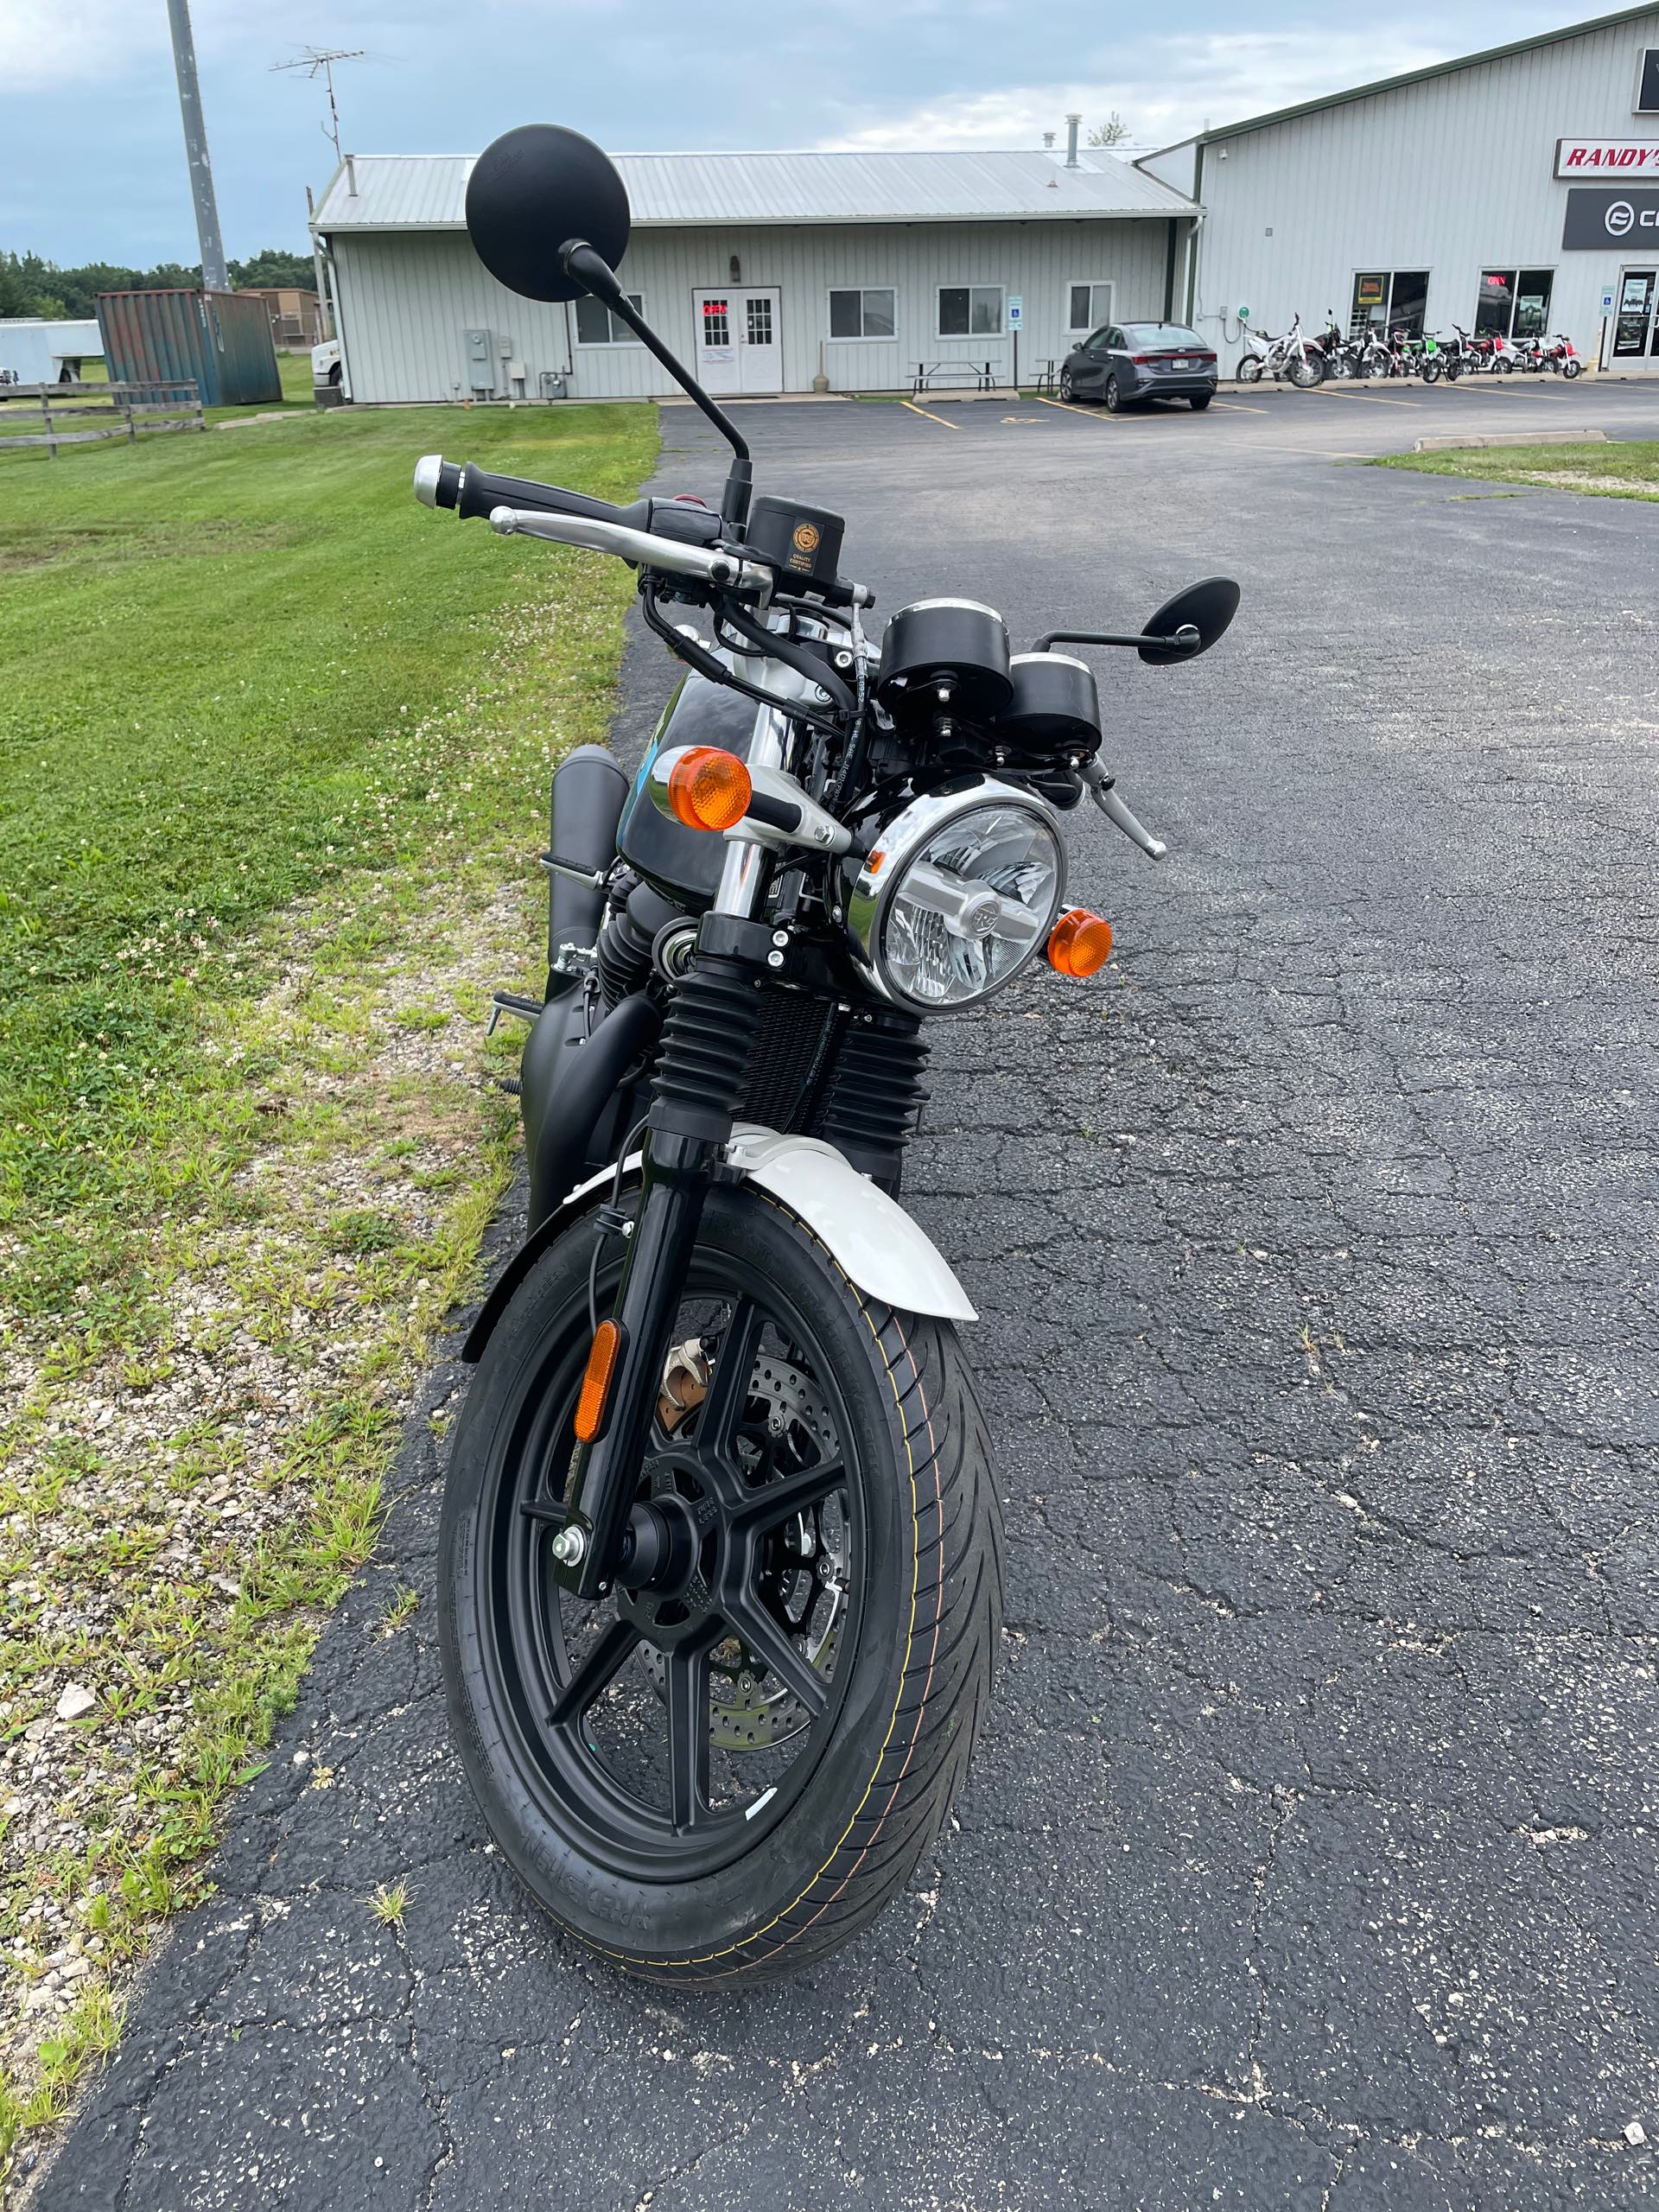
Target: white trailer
[(37, 351)]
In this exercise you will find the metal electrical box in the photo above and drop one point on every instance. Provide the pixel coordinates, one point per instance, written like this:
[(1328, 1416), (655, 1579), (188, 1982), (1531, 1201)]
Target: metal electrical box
[(479, 347)]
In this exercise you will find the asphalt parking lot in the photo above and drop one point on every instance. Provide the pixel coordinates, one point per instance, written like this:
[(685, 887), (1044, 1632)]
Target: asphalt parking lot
[(1309, 1859)]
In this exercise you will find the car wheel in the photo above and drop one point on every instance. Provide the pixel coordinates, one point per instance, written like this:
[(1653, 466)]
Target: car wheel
[(1068, 389), (1200, 400), (1113, 397)]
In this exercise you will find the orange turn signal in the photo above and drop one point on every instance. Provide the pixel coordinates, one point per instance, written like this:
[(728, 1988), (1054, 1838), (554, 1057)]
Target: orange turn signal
[(708, 788), (596, 1381), (1081, 942)]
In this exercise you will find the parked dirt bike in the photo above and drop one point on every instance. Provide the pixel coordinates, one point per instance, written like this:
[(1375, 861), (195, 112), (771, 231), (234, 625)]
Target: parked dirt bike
[(1291, 356), (1342, 357), (720, 1571), (1562, 357)]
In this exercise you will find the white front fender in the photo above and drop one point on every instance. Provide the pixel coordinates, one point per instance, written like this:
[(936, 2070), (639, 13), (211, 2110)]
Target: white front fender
[(873, 1239)]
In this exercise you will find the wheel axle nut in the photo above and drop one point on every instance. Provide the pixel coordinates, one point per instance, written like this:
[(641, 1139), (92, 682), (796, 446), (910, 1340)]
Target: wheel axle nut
[(569, 1547)]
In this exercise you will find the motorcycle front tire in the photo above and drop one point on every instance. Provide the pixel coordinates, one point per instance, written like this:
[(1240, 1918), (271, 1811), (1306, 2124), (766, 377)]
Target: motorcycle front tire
[(919, 1661)]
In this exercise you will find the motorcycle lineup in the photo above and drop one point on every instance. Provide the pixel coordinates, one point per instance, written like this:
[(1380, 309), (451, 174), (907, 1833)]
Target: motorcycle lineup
[(721, 1554), (1306, 362)]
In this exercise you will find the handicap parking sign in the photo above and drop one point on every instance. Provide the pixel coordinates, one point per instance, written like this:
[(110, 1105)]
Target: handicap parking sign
[(1016, 312)]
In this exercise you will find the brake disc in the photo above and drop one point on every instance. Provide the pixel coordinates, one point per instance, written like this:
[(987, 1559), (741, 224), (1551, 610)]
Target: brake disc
[(803, 1582)]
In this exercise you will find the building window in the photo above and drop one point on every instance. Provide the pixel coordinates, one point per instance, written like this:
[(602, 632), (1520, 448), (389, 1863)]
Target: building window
[(1387, 300), (757, 319), (1087, 307), (1514, 303), (717, 323), (871, 312), (597, 326), (970, 311)]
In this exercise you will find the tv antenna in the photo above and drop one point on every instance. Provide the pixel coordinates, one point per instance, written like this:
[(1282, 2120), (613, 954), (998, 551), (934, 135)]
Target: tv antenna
[(319, 61)]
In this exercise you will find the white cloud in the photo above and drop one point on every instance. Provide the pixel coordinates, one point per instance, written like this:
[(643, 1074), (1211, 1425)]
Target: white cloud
[(83, 41), (1165, 91)]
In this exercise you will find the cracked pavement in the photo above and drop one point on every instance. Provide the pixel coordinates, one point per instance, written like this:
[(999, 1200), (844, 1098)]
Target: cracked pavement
[(1308, 1861)]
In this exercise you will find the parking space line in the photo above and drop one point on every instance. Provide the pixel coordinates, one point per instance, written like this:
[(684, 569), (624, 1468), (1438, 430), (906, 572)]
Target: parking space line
[(1237, 407), (1088, 414), (1375, 398), (923, 412)]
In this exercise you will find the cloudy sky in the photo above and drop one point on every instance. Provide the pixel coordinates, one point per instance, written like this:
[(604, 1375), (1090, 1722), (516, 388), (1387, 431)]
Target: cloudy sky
[(91, 166)]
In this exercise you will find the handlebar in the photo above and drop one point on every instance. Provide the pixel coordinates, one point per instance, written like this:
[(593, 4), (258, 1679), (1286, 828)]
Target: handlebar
[(643, 547), (657, 529)]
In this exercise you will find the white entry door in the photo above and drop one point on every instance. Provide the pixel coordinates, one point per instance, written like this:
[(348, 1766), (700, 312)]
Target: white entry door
[(738, 340)]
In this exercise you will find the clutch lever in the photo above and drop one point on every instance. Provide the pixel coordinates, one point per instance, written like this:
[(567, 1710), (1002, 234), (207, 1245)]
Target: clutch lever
[(1106, 798)]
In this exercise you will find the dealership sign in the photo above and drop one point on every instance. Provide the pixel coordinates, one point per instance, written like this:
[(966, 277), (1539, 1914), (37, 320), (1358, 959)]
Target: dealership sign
[(1599, 157), (1605, 220)]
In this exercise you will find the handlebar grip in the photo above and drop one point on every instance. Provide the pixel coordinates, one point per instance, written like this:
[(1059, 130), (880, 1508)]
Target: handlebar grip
[(472, 492), (481, 493)]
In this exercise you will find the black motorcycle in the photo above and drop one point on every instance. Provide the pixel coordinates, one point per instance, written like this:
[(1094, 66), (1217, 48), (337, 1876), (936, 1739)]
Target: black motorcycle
[(720, 1573)]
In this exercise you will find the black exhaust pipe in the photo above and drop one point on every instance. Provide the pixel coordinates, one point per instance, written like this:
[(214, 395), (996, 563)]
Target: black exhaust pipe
[(590, 789)]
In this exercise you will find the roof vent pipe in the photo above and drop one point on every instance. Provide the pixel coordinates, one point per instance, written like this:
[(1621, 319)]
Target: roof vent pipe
[(351, 176), (1071, 123)]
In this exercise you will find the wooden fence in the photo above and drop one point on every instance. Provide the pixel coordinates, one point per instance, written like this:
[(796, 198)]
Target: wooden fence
[(123, 411)]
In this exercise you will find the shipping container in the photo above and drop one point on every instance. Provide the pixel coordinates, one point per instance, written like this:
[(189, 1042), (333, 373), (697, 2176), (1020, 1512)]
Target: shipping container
[(221, 341)]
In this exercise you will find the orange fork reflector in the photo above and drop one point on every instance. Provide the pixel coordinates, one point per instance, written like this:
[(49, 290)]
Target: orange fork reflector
[(708, 788), (596, 1381), (1081, 944)]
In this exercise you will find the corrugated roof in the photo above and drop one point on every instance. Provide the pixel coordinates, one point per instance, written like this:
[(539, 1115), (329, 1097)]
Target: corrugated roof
[(1410, 77), (427, 192)]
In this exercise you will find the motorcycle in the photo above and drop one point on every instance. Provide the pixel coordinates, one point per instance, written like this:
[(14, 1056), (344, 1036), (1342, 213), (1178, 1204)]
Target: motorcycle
[(1292, 356), (720, 1559)]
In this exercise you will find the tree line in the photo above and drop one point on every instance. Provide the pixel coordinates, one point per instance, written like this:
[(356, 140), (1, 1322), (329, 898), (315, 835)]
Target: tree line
[(29, 286)]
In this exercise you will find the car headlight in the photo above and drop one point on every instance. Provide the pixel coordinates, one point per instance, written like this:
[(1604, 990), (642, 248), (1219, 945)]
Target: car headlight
[(959, 892)]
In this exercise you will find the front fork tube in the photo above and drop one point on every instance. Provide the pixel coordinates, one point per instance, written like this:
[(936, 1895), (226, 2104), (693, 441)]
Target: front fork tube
[(701, 1076), (678, 1173)]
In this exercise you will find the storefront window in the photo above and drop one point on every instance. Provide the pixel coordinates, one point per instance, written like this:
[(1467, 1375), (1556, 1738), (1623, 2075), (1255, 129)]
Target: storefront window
[(1389, 299), (1496, 304), (1532, 295), (1514, 303)]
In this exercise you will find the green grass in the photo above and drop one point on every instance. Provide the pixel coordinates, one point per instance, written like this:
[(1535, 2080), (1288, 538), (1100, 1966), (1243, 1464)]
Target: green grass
[(220, 649), (273, 741), (1625, 470)]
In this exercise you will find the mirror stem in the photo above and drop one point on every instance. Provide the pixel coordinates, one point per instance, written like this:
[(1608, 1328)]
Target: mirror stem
[(1187, 639), (581, 260)]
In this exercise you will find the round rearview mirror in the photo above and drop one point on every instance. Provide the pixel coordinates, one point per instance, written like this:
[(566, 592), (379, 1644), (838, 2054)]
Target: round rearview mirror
[(1203, 611), (533, 191)]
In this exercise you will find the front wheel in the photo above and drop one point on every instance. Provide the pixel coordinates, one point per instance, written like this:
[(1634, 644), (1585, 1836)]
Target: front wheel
[(724, 1775), (1304, 373), (1571, 369), (1068, 389)]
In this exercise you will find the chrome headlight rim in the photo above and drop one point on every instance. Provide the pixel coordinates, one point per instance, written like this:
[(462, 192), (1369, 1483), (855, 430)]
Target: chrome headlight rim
[(873, 882)]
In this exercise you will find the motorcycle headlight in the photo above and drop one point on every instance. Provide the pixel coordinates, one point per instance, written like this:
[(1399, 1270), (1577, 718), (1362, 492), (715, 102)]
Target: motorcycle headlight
[(959, 892)]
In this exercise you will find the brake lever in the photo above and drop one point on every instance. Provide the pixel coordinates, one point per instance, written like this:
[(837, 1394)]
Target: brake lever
[(1106, 798)]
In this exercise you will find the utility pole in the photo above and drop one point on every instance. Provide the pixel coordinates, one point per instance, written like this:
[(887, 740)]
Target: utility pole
[(214, 275)]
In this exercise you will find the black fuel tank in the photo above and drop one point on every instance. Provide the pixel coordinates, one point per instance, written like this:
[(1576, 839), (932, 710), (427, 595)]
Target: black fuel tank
[(684, 864)]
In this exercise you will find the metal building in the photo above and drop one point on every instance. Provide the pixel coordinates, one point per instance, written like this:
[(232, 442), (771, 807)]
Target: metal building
[(1513, 191), (765, 272)]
